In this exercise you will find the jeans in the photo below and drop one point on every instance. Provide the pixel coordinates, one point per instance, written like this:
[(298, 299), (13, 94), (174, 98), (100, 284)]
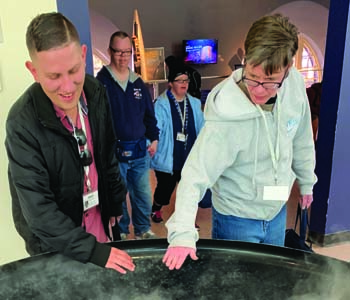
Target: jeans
[(250, 230), (136, 176)]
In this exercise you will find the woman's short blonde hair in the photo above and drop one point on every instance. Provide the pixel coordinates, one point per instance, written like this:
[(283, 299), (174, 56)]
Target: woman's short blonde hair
[(272, 42)]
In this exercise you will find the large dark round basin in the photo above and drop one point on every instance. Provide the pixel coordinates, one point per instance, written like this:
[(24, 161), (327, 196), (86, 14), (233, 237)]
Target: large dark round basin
[(225, 270)]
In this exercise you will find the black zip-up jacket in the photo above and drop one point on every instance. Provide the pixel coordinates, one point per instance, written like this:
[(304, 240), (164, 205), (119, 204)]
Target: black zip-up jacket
[(46, 176)]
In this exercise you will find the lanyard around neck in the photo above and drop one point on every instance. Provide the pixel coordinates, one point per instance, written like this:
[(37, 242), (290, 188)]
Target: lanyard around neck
[(82, 123), (184, 116), (275, 154)]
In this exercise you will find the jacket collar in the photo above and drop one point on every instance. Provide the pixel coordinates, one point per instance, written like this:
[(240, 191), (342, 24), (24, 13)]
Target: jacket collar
[(44, 107)]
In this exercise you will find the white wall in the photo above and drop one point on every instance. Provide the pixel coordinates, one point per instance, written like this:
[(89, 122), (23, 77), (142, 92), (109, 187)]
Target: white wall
[(15, 16), (101, 30), (312, 25)]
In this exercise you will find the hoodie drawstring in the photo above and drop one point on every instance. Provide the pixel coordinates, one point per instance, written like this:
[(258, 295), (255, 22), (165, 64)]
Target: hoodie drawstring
[(275, 154), (256, 150)]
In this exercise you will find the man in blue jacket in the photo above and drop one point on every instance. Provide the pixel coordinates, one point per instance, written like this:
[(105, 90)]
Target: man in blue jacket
[(135, 125)]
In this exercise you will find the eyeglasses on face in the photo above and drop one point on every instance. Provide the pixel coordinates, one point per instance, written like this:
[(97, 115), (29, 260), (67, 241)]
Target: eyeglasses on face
[(268, 85), (182, 81), (85, 154), (119, 52)]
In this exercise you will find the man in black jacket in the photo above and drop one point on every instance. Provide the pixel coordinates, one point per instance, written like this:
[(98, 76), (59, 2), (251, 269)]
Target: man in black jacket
[(64, 178)]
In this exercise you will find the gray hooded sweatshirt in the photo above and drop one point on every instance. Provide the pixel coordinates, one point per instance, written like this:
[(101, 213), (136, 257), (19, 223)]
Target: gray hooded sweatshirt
[(234, 158)]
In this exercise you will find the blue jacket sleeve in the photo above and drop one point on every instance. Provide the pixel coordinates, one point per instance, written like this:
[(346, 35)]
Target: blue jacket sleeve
[(150, 121)]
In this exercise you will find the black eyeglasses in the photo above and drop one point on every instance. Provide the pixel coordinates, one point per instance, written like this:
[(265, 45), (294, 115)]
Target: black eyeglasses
[(182, 81), (266, 85), (119, 52), (85, 155)]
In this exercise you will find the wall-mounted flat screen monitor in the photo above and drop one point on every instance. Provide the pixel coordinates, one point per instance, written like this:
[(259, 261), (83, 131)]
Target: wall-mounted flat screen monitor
[(200, 51)]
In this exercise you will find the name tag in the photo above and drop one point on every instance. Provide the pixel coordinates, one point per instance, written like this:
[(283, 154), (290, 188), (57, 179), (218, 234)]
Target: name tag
[(127, 153), (90, 200), (181, 137), (276, 192)]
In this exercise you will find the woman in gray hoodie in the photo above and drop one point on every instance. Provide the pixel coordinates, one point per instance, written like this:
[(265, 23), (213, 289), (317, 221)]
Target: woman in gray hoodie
[(256, 141)]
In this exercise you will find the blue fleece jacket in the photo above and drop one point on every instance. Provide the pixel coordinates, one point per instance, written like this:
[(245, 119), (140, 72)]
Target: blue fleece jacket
[(163, 159), (132, 109)]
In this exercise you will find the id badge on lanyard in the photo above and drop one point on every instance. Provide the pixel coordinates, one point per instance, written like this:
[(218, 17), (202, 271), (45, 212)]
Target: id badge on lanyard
[(181, 137), (274, 192), (90, 200)]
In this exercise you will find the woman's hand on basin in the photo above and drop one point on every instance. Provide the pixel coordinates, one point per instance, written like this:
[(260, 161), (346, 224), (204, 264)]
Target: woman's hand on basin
[(175, 256)]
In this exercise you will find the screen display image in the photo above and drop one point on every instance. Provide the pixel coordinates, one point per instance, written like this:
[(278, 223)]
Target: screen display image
[(201, 51)]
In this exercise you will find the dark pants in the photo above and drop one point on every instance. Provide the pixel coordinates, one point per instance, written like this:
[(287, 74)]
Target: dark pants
[(166, 184)]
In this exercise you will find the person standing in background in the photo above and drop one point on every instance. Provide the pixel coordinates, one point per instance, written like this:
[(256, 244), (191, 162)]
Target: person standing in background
[(179, 118), (256, 141), (194, 86), (314, 95), (134, 124), (64, 178)]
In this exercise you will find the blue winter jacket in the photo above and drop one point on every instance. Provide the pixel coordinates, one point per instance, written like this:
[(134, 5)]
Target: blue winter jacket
[(163, 159), (132, 110)]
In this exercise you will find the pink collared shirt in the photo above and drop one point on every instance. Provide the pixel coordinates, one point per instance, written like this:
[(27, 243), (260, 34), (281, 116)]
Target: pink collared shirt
[(92, 221)]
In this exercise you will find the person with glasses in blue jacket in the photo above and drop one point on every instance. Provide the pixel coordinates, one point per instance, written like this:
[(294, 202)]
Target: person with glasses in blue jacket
[(256, 141), (180, 119), (66, 188), (136, 129)]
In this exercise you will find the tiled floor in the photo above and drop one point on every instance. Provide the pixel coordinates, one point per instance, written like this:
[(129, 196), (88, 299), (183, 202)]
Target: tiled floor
[(341, 251)]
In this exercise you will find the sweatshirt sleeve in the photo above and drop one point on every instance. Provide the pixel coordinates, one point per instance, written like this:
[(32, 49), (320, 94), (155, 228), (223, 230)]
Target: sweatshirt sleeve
[(304, 150), (200, 172), (150, 121), (198, 113)]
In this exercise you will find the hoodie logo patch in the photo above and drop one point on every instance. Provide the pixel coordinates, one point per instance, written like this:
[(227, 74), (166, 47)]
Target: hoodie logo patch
[(137, 94), (291, 125)]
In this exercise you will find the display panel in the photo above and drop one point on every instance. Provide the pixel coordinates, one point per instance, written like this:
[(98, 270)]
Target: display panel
[(200, 51)]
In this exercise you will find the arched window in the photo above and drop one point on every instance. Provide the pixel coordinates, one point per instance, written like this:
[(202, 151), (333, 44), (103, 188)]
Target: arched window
[(307, 62)]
